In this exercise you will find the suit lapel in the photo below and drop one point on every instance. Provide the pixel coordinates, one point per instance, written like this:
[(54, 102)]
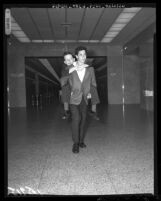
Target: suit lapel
[(86, 74), (76, 75)]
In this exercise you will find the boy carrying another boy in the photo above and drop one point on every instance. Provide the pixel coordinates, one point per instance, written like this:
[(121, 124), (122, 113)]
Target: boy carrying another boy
[(69, 61)]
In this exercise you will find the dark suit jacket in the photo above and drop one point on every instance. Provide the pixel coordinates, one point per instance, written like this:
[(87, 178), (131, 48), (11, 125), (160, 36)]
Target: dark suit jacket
[(80, 89)]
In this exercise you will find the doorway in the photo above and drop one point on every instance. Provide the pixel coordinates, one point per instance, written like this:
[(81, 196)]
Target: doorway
[(49, 71)]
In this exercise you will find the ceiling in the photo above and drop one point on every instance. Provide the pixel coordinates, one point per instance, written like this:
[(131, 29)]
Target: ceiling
[(79, 24), (74, 25)]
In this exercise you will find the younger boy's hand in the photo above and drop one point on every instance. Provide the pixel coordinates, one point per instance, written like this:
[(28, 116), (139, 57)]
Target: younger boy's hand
[(89, 96)]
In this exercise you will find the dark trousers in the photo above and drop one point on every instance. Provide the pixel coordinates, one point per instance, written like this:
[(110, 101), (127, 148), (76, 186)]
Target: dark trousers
[(78, 113)]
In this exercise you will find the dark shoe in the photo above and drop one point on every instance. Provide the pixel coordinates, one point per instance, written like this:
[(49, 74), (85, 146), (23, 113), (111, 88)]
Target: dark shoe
[(82, 145), (75, 148)]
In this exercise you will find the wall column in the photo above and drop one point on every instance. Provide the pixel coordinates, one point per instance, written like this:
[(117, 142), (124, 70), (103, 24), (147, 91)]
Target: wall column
[(37, 83), (146, 70), (114, 65), (16, 76)]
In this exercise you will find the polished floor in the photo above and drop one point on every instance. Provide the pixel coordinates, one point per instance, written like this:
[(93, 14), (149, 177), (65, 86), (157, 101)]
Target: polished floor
[(118, 158)]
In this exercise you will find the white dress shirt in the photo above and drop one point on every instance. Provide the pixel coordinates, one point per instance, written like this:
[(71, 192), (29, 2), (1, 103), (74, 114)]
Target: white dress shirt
[(79, 69), (81, 73)]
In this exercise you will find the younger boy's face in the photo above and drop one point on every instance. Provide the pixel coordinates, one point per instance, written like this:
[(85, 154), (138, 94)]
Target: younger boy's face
[(68, 59)]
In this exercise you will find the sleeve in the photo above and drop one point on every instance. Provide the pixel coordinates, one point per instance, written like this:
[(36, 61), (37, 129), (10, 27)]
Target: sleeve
[(94, 95), (93, 79), (64, 72), (64, 77), (64, 80), (93, 89)]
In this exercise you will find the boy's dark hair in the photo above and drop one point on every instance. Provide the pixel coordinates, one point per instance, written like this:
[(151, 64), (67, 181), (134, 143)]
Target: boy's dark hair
[(80, 48), (75, 57), (66, 53)]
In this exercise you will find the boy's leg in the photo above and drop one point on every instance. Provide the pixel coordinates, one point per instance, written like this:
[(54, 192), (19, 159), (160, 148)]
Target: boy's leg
[(94, 108), (66, 111), (66, 106), (83, 111), (94, 100), (75, 126)]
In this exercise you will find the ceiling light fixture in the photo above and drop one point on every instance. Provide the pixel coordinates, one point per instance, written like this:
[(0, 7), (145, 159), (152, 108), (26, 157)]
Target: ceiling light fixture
[(48, 41), (93, 41), (126, 15), (83, 41), (37, 41), (115, 29), (122, 20), (24, 40), (112, 33), (135, 10), (118, 25), (17, 31), (15, 26), (107, 39)]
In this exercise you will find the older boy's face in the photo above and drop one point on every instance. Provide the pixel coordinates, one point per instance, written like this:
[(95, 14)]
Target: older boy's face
[(68, 59), (82, 56)]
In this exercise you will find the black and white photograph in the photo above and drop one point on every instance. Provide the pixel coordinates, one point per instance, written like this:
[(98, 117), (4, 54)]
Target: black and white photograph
[(80, 99)]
